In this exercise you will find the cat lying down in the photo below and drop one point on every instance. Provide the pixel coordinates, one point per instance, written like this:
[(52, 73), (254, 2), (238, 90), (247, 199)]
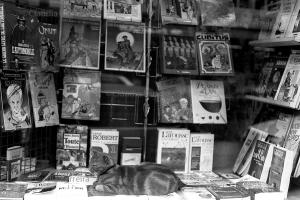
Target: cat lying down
[(144, 179)]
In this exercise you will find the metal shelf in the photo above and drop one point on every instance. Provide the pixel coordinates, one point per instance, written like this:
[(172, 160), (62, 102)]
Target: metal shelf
[(277, 42)]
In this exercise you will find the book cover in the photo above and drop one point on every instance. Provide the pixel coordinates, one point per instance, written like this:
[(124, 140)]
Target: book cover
[(172, 148), (59, 175), (264, 76), (179, 12), (268, 20), (208, 102), (103, 141), (80, 44), (131, 151), (201, 152), (288, 89), (214, 54), (293, 29), (217, 13), (175, 101), (15, 101), (261, 160), (82, 9), (34, 177), (71, 148), (125, 47), (179, 54), (196, 193), (44, 102), (115, 10), (193, 179), (12, 190), (81, 95), (228, 193), (21, 28), (281, 169)]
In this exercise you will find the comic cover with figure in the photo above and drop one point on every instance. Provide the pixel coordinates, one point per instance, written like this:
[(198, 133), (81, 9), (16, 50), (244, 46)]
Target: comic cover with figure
[(125, 47), (82, 9), (214, 53), (15, 102), (80, 44), (44, 103), (81, 95)]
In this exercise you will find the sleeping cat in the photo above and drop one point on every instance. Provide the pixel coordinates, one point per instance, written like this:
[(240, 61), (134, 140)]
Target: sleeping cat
[(144, 179)]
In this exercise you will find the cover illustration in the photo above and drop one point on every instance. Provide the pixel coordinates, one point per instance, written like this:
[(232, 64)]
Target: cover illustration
[(125, 47), (44, 103), (208, 102), (15, 101), (83, 9), (80, 44), (214, 53), (81, 95)]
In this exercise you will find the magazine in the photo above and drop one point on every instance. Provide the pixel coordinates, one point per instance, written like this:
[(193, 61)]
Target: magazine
[(82, 9)]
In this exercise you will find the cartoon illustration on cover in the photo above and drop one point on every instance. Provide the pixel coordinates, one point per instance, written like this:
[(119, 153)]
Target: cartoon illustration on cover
[(81, 95), (125, 47), (82, 8), (44, 101), (80, 44), (16, 111)]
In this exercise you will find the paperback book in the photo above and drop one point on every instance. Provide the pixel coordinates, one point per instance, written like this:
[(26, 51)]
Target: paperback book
[(43, 96), (125, 47), (71, 148), (15, 101), (116, 10), (196, 193), (222, 193), (80, 44), (80, 9), (81, 95), (214, 54)]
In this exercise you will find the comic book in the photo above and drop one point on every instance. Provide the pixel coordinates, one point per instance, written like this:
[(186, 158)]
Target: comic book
[(82, 9), (114, 10), (80, 44), (44, 102), (125, 47), (81, 95), (15, 101), (71, 148), (214, 54)]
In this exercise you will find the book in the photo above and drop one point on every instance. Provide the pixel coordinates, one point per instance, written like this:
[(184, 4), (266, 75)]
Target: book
[(22, 28), (193, 179), (179, 52), (281, 169), (14, 152), (103, 141), (71, 148), (228, 193), (43, 98), (125, 46), (293, 29), (34, 177), (179, 12), (214, 54), (87, 10), (229, 175), (217, 13), (172, 148), (15, 101), (268, 19), (80, 44), (196, 193), (288, 89), (264, 76), (201, 152), (13, 191), (83, 176), (114, 10), (81, 95), (208, 102), (59, 175), (131, 151), (261, 160)]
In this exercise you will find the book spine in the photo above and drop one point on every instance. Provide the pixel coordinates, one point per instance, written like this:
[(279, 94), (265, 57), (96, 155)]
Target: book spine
[(3, 36)]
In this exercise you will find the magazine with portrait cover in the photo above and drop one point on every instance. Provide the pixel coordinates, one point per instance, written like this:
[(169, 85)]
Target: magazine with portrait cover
[(15, 101), (115, 10), (71, 147), (81, 95), (179, 12), (80, 44), (125, 46), (179, 52), (214, 54), (43, 97), (81, 9)]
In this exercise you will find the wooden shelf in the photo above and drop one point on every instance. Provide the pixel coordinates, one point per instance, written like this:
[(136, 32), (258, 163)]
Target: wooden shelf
[(290, 41), (268, 101)]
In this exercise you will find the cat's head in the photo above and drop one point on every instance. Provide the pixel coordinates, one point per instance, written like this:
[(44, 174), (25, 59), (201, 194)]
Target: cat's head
[(100, 162)]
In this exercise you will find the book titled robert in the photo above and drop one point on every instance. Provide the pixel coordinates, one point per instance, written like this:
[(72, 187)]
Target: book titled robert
[(172, 148), (214, 54), (44, 101), (15, 101), (81, 95), (71, 147), (103, 141), (125, 47)]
